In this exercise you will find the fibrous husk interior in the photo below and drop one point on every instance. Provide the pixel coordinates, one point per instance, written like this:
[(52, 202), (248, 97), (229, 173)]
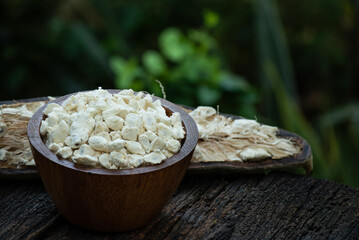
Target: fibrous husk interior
[(226, 139), (14, 146)]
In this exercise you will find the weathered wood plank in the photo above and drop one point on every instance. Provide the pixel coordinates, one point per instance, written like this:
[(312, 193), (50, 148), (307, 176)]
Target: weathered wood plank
[(25, 209), (279, 206)]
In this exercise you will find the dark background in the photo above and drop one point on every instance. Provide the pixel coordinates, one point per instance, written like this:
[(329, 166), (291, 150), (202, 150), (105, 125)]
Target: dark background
[(293, 64)]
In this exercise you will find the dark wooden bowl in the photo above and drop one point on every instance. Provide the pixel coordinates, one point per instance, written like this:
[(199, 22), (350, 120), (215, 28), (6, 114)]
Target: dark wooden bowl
[(105, 199)]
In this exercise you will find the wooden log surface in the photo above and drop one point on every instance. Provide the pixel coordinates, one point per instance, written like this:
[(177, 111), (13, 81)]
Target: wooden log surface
[(252, 206)]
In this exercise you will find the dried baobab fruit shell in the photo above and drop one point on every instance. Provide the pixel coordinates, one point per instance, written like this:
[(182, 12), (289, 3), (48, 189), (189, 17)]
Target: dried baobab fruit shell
[(227, 139), (15, 150), (230, 143)]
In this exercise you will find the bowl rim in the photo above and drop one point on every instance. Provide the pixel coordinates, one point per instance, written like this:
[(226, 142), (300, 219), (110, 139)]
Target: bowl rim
[(190, 141)]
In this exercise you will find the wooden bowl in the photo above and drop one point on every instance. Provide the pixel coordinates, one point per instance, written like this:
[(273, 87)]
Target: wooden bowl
[(105, 199)]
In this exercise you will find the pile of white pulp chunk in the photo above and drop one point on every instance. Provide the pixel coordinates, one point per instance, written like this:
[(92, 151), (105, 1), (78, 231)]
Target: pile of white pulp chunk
[(115, 131)]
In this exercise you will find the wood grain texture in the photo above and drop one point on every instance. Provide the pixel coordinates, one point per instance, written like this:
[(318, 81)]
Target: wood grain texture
[(25, 209), (251, 206), (107, 199)]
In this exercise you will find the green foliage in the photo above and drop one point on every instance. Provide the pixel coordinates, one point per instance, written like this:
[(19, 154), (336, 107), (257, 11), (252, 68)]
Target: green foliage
[(174, 46), (211, 19), (190, 68), (154, 62), (126, 73)]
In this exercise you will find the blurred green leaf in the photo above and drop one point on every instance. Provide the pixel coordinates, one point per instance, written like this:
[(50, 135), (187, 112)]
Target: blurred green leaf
[(348, 112), (232, 83), (348, 116), (186, 71), (153, 62), (273, 43), (211, 19), (205, 41), (207, 95), (137, 85), (173, 45), (125, 72)]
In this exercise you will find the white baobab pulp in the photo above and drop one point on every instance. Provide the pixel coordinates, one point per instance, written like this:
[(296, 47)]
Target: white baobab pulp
[(115, 131)]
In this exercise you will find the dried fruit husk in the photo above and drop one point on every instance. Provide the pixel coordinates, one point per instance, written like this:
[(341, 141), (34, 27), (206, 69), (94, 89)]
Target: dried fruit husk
[(222, 140), (14, 146)]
